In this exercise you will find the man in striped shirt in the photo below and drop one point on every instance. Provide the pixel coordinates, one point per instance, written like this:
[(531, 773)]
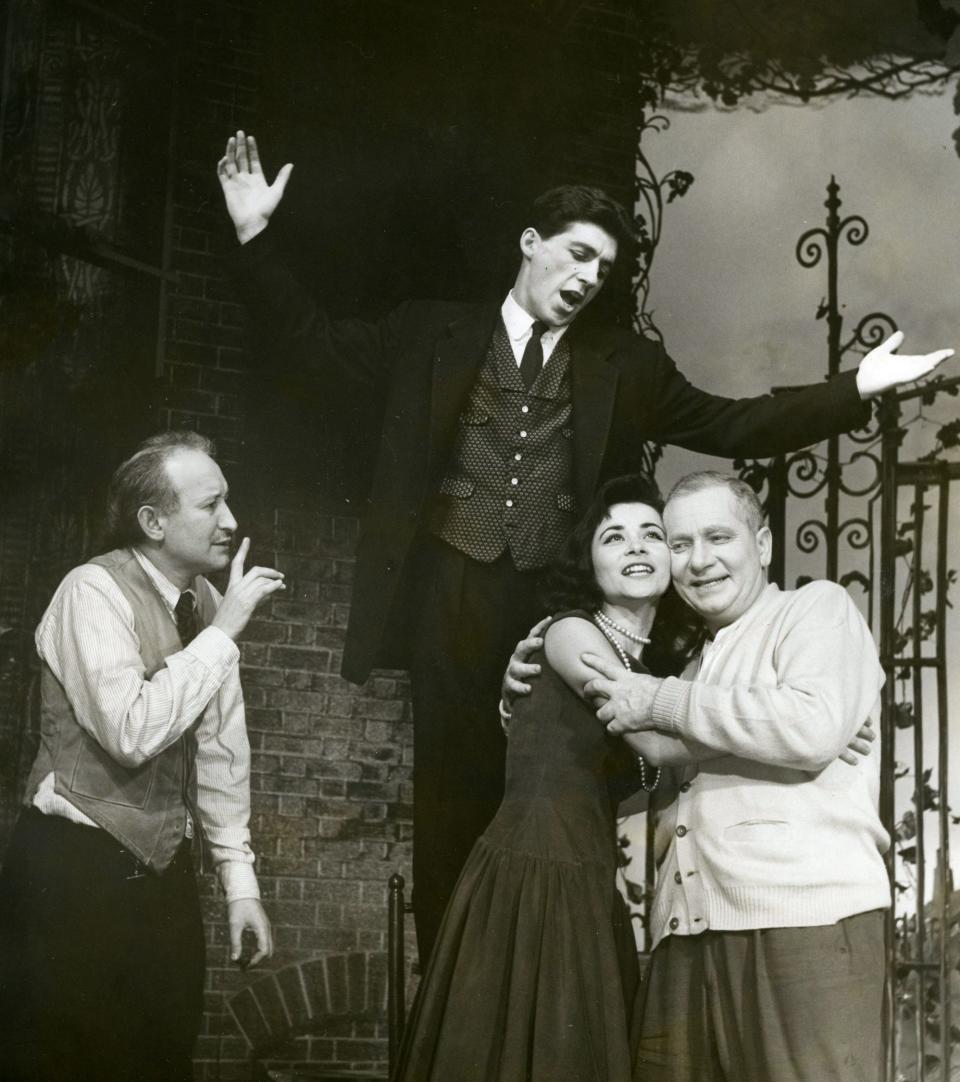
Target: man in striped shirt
[(143, 747)]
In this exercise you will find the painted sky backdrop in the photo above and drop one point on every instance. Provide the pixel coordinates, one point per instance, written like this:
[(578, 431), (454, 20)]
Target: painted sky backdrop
[(737, 310)]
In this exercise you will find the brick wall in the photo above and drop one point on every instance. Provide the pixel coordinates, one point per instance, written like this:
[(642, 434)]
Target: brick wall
[(331, 788), (331, 796), (331, 774)]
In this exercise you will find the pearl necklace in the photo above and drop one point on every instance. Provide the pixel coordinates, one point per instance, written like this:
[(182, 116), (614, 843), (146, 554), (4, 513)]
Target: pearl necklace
[(608, 635), (602, 620), (611, 625)]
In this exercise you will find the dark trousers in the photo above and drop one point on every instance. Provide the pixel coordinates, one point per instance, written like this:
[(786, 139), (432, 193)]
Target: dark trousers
[(471, 616), (101, 961), (777, 1005)]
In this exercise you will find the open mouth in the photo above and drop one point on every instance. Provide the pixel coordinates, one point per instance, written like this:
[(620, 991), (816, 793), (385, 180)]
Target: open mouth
[(571, 299), (634, 570)]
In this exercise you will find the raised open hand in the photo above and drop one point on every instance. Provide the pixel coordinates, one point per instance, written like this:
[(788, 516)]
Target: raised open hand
[(250, 199)]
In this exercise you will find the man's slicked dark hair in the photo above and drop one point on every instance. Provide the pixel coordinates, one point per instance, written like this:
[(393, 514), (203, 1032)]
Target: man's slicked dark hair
[(142, 479), (558, 208)]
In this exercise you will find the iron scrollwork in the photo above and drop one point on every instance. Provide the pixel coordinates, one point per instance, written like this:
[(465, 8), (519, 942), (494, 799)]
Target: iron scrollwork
[(804, 474)]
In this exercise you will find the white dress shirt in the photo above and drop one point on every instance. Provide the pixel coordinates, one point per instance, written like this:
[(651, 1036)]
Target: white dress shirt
[(519, 324), (87, 636)]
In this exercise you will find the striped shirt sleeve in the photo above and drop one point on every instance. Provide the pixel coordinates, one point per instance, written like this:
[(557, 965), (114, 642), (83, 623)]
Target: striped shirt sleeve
[(87, 636)]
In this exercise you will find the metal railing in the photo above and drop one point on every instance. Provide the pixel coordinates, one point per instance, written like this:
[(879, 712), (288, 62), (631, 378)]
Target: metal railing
[(865, 540)]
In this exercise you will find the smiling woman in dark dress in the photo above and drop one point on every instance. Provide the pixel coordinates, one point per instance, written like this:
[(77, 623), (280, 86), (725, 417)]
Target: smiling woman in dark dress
[(535, 966)]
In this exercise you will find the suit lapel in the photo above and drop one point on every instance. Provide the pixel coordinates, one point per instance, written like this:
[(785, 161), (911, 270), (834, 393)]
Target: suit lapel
[(594, 389), (457, 360)]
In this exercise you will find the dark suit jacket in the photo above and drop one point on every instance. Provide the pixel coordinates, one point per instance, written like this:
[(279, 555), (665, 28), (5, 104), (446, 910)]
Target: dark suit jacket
[(422, 359)]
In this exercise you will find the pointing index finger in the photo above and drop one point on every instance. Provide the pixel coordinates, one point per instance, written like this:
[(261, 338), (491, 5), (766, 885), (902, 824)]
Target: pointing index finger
[(236, 564)]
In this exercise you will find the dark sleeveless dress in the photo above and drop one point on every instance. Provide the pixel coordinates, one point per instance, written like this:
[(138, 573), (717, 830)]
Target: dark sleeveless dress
[(535, 968)]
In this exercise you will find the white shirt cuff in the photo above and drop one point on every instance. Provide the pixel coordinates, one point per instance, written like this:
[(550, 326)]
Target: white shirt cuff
[(238, 880), (216, 650)]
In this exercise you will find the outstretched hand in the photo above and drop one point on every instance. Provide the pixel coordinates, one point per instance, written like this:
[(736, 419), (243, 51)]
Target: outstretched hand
[(250, 199), (882, 369)]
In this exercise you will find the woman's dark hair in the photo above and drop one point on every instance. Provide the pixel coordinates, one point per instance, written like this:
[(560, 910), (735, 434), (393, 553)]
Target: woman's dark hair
[(571, 584)]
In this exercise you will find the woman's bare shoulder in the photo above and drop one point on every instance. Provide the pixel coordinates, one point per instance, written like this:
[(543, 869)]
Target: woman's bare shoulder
[(569, 637)]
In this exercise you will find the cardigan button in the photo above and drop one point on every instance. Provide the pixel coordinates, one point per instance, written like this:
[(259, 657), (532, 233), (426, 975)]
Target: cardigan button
[(681, 830)]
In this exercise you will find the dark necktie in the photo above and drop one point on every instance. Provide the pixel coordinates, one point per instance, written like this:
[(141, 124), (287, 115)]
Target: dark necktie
[(186, 614), (532, 360)]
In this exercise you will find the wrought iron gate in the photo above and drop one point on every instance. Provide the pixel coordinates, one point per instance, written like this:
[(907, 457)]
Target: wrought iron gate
[(869, 539)]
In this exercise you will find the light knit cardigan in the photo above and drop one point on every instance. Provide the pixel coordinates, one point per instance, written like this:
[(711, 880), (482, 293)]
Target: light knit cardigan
[(776, 831)]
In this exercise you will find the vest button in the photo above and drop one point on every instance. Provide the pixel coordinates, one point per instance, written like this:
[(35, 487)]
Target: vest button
[(681, 830), (674, 924), (677, 877), (685, 788)]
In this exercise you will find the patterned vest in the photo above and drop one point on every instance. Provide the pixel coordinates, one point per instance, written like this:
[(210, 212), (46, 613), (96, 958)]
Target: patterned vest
[(508, 485), (143, 807)]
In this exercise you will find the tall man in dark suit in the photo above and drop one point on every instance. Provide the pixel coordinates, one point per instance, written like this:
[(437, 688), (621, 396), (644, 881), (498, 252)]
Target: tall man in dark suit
[(499, 421)]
